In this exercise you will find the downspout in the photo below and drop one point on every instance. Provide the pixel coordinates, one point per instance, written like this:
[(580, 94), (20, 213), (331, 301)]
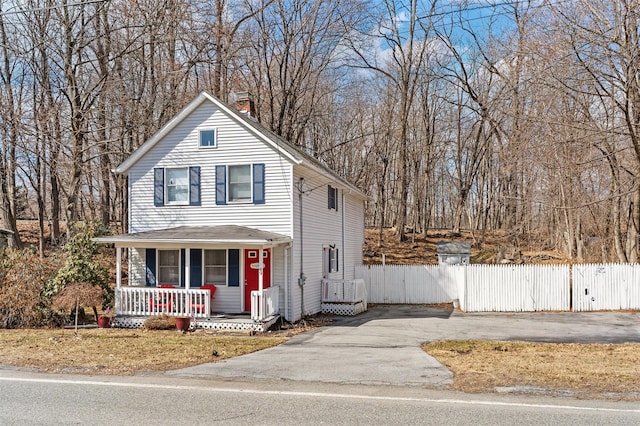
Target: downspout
[(302, 279), (342, 249), (287, 250), (116, 301)]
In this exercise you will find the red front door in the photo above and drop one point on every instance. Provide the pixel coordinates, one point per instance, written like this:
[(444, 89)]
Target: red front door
[(251, 270)]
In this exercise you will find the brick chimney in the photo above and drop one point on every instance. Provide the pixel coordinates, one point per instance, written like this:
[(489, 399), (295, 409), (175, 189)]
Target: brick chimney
[(244, 104)]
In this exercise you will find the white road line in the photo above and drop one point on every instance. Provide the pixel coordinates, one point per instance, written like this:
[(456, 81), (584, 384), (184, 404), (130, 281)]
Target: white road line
[(316, 394)]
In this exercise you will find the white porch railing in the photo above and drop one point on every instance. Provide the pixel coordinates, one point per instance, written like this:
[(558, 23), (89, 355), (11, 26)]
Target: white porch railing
[(265, 303), (344, 291), (149, 301)]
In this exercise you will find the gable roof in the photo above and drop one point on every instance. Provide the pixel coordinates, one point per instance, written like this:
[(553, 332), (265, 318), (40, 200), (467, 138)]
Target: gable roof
[(292, 153)]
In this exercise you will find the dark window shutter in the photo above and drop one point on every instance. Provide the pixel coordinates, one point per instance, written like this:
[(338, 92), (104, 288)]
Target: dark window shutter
[(183, 262), (333, 198), (196, 267), (221, 185), (234, 268), (158, 186), (337, 260), (194, 186), (151, 267), (258, 183)]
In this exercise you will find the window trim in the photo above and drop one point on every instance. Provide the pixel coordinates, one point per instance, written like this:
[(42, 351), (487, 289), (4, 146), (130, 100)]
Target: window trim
[(228, 179), (158, 266), (205, 265), (161, 187), (215, 138), (167, 201)]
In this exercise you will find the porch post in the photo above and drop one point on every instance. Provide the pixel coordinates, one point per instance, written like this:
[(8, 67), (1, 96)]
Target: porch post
[(187, 268), (118, 267), (260, 269)]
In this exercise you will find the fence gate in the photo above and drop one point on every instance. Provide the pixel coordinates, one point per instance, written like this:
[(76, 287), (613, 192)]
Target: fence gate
[(598, 287)]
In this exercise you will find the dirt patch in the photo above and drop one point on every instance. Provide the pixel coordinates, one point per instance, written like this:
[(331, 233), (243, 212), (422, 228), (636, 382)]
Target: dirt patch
[(609, 371), (489, 247)]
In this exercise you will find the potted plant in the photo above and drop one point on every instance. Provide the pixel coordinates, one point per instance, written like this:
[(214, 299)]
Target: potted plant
[(183, 323), (104, 320)]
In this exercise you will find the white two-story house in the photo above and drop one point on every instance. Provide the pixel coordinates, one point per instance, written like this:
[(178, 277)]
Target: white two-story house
[(225, 217)]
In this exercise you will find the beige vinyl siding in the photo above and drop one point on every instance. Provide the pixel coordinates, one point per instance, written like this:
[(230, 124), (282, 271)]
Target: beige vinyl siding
[(278, 273), (322, 227), (228, 299), (137, 267), (236, 145)]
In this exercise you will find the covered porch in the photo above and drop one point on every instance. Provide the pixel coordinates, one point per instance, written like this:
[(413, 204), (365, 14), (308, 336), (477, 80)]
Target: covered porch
[(225, 277)]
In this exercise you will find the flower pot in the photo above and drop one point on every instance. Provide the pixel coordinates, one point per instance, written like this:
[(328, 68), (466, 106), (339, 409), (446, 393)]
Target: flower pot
[(183, 323), (104, 321)]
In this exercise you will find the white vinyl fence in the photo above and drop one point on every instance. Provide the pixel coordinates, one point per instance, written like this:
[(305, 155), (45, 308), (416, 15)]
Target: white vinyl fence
[(606, 287), (407, 284), (506, 288), (516, 288)]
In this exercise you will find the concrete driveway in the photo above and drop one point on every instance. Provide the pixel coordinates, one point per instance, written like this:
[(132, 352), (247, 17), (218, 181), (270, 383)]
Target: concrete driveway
[(382, 345)]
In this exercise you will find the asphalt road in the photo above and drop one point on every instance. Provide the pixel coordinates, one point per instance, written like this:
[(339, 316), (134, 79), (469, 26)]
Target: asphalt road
[(37, 399)]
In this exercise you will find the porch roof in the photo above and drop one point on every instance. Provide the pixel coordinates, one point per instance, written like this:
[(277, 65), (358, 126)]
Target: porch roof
[(222, 235)]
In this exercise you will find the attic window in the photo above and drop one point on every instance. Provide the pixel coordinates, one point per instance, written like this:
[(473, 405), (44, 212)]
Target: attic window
[(208, 138)]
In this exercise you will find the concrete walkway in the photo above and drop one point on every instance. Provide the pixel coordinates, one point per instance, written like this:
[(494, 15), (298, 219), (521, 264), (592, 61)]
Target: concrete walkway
[(382, 346)]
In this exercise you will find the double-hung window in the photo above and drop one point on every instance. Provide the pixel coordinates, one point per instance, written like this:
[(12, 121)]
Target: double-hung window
[(169, 267), (215, 267), (177, 186), (240, 183)]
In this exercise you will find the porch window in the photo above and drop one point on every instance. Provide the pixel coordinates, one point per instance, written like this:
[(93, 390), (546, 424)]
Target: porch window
[(215, 267), (169, 267)]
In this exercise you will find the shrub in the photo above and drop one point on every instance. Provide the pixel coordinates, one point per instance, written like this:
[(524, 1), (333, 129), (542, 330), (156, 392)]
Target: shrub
[(23, 278), (160, 322), (81, 265)]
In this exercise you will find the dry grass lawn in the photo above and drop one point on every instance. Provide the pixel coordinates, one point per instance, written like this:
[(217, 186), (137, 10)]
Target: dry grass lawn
[(588, 370), (122, 352)]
